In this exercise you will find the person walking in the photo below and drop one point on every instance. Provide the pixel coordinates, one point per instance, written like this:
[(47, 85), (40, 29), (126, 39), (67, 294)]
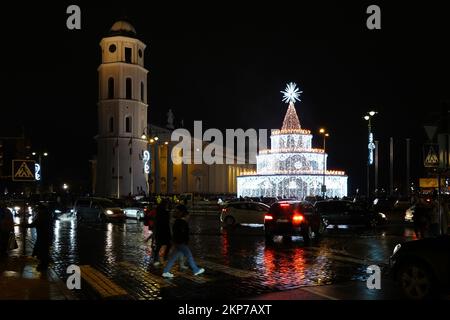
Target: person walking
[(6, 228), (149, 222), (44, 236), (162, 236), (180, 232), (421, 218)]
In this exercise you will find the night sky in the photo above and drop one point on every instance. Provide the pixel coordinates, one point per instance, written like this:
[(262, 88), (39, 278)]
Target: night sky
[(225, 64)]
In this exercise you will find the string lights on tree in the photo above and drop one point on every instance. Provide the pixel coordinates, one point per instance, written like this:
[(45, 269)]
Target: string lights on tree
[(291, 168)]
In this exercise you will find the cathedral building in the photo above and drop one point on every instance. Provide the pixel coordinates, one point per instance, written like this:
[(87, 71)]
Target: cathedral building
[(133, 156)]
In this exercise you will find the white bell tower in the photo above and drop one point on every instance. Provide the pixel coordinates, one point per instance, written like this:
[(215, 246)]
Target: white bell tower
[(122, 113)]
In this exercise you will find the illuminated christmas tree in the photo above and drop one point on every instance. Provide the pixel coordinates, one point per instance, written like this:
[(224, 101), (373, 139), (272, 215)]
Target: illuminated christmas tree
[(291, 121), (291, 168)]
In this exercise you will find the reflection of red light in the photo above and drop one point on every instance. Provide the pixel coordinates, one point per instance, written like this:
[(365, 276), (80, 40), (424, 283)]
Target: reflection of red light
[(284, 205), (268, 217), (269, 264), (298, 262), (225, 245), (297, 218)]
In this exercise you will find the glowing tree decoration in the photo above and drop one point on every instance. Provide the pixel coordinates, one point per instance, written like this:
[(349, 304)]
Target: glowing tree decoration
[(291, 93), (291, 168)]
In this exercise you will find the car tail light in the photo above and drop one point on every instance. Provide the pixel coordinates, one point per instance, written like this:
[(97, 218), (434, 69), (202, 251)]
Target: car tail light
[(297, 218), (224, 210), (284, 205), (268, 217)]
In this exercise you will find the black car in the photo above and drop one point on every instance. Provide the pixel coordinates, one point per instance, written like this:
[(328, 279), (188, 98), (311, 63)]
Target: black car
[(289, 218), (341, 212), (422, 267)]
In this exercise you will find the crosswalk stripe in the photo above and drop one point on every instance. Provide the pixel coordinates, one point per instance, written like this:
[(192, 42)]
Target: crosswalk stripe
[(146, 275), (112, 288), (239, 273), (201, 279), (104, 286)]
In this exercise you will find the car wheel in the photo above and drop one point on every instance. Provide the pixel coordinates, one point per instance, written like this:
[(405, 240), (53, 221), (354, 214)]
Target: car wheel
[(229, 221), (307, 233), (416, 281)]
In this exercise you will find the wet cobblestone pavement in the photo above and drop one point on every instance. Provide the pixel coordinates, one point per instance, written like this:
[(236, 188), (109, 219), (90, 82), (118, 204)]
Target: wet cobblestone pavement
[(238, 263)]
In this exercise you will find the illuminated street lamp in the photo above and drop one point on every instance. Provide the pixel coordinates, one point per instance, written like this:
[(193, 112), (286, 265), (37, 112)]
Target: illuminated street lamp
[(370, 146), (38, 166), (323, 132)]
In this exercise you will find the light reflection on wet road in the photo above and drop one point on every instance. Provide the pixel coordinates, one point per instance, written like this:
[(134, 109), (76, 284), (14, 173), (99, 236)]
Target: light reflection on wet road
[(337, 257)]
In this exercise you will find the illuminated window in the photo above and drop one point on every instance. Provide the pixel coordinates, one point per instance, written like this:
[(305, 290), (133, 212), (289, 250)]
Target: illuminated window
[(128, 88), (111, 88), (128, 124)]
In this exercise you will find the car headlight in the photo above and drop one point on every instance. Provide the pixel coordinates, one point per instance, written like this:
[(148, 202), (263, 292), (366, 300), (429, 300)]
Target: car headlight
[(16, 209), (57, 211), (382, 215), (109, 212), (397, 247)]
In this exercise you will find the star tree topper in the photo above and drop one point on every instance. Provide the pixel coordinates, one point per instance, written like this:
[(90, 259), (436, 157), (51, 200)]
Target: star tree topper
[(291, 93)]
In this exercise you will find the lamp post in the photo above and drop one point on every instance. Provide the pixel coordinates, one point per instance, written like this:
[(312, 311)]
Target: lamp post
[(38, 173), (370, 147), (324, 186), (153, 142)]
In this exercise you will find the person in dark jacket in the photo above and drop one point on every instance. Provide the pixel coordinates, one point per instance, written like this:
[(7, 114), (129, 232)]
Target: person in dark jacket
[(6, 228), (180, 231), (44, 236), (162, 236), (421, 217)]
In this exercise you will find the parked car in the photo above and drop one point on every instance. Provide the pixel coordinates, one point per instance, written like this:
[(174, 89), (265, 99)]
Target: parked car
[(383, 204), (269, 200), (289, 218), (421, 268), (243, 212), (97, 209), (132, 209), (337, 212)]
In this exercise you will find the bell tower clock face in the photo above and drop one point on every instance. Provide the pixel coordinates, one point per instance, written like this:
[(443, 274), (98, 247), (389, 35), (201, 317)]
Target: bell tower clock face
[(112, 48)]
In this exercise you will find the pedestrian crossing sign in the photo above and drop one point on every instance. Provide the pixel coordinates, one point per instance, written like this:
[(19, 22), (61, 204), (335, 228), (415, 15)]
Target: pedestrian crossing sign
[(431, 156), (23, 170)]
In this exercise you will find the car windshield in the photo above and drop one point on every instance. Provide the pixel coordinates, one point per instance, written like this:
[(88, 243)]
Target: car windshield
[(105, 203)]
